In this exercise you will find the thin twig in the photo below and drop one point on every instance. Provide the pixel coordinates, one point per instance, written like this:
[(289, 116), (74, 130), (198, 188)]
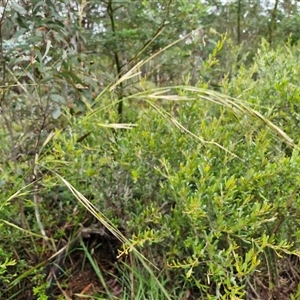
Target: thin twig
[(252, 288), (3, 63), (36, 198), (59, 286)]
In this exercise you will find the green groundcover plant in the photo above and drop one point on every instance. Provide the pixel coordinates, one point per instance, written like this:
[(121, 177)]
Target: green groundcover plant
[(201, 188)]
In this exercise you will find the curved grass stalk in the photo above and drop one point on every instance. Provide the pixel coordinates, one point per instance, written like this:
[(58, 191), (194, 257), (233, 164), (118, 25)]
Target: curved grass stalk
[(107, 224), (239, 107)]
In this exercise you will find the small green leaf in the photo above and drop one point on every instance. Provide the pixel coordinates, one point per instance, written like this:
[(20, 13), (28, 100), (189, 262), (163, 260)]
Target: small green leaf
[(58, 98), (18, 8), (135, 175), (189, 273), (56, 113)]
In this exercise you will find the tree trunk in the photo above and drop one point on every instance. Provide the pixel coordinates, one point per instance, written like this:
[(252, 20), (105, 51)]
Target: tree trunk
[(273, 22)]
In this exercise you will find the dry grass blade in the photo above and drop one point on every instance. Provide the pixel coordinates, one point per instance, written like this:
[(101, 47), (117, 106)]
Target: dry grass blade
[(22, 229), (17, 194), (241, 106), (48, 139), (93, 210), (168, 46), (275, 128), (181, 127), (134, 71), (118, 125), (237, 106), (105, 222)]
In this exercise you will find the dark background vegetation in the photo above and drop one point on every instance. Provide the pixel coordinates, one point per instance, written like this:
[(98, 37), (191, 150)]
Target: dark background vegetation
[(149, 149)]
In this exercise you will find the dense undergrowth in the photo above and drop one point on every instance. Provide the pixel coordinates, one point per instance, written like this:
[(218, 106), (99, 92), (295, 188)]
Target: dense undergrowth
[(199, 191)]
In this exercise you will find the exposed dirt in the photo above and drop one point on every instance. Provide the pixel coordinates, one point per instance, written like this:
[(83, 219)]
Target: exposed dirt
[(71, 274), (278, 284), (74, 277)]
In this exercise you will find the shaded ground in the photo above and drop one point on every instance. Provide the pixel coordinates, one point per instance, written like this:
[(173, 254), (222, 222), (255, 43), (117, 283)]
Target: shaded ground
[(74, 275), (285, 276), (73, 272)]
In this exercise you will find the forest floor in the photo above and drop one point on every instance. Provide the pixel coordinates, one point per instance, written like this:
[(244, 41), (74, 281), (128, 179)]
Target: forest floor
[(86, 266)]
